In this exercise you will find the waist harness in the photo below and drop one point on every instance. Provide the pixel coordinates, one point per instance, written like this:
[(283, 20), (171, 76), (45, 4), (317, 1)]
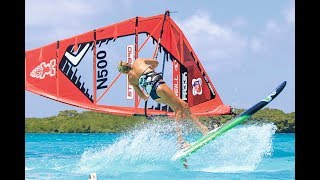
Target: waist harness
[(148, 80)]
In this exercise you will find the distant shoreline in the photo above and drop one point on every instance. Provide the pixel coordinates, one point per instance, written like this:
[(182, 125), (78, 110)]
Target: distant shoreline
[(71, 121)]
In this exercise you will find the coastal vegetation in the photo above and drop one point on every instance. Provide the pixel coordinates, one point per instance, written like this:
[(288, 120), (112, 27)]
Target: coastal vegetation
[(71, 121)]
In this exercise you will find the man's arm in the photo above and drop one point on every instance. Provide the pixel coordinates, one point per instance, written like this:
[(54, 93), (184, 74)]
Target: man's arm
[(152, 62), (140, 93)]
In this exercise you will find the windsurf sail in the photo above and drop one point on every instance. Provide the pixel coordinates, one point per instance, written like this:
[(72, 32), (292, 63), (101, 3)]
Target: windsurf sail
[(81, 70)]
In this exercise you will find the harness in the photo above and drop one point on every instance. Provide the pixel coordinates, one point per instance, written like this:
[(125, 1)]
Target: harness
[(148, 80)]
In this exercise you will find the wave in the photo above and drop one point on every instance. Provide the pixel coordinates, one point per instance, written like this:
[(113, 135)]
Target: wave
[(150, 148), (27, 169)]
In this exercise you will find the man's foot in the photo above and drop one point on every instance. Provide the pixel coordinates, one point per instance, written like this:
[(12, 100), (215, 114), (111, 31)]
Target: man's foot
[(184, 145), (185, 163), (205, 132), (215, 129)]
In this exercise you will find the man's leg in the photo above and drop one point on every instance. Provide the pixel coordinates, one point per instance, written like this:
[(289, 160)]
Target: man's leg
[(195, 119), (204, 129), (183, 144)]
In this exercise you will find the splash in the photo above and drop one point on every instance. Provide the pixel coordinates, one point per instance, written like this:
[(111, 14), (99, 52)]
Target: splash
[(150, 148), (146, 148), (240, 149)]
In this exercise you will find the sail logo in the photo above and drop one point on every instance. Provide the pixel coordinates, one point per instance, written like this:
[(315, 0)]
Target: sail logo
[(184, 86), (70, 66), (197, 86), (44, 69), (130, 59), (102, 72), (175, 65), (176, 78), (176, 85), (75, 59)]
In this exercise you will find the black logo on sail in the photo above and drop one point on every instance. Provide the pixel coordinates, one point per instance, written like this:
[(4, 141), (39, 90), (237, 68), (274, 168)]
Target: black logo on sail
[(69, 63)]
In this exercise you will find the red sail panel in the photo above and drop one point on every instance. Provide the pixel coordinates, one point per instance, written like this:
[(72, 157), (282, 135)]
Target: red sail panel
[(202, 95), (123, 28), (198, 89), (70, 79), (41, 69)]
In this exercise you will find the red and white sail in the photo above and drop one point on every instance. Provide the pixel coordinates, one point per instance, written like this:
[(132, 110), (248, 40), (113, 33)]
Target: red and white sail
[(81, 70)]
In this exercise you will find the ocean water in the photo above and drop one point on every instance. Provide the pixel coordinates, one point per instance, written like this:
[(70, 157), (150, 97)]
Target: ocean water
[(245, 152)]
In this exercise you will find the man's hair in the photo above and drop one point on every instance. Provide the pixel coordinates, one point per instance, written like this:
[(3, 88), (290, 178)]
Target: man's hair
[(123, 67)]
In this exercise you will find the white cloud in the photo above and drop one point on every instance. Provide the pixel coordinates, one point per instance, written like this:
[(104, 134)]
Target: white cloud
[(201, 24), (260, 42), (213, 43), (257, 45), (273, 26), (274, 31), (49, 21), (49, 13), (290, 13), (239, 22)]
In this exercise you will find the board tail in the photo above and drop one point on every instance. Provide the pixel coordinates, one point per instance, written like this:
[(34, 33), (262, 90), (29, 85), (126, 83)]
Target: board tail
[(264, 101), (230, 124)]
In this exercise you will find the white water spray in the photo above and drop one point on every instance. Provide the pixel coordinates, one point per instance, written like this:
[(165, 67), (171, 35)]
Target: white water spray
[(150, 148)]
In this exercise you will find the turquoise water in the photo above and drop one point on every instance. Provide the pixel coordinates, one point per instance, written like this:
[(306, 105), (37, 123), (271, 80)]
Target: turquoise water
[(245, 152)]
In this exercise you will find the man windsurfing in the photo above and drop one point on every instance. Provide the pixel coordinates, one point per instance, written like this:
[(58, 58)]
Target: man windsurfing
[(141, 74)]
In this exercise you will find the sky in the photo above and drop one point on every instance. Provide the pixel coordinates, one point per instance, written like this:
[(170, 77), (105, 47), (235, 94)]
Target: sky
[(247, 47)]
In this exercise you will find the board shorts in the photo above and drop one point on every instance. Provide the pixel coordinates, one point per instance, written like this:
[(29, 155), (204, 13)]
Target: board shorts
[(150, 82)]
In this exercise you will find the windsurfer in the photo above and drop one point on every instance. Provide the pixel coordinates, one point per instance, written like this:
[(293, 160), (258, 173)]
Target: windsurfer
[(141, 73)]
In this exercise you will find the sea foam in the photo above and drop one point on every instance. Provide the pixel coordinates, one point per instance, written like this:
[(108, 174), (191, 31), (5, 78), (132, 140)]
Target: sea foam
[(151, 146)]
